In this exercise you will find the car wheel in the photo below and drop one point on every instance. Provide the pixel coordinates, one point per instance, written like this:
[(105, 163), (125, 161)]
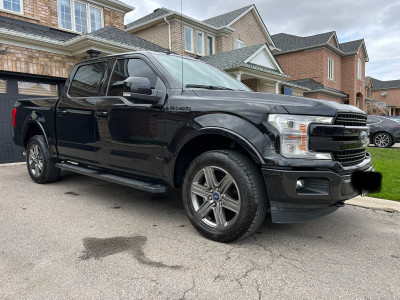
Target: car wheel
[(41, 167), (224, 195), (383, 140)]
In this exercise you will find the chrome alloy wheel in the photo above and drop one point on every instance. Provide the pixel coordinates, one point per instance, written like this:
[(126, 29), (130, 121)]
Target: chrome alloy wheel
[(215, 197), (382, 140), (35, 160)]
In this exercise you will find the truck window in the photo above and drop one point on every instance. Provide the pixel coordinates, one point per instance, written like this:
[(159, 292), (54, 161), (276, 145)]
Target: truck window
[(86, 82), (125, 68)]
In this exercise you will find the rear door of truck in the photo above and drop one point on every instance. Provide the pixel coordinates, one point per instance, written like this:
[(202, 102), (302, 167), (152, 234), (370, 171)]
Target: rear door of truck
[(75, 120)]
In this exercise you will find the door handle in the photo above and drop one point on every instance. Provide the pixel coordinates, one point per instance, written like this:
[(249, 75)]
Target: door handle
[(102, 114), (62, 111)]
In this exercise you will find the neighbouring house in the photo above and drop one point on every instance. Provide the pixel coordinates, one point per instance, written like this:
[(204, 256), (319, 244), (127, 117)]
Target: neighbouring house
[(384, 93), (237, 42), (41, 40), (331, 70)]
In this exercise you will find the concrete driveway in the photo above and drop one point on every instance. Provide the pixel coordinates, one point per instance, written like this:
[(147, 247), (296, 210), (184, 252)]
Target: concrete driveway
[(82, 238)]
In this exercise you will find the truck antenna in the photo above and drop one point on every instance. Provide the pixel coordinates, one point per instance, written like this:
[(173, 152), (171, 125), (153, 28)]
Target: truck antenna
[(182, 45)]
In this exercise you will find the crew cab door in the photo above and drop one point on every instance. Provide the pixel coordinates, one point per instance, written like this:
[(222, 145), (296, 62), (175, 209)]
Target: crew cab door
[(75, 121), (130, 131)]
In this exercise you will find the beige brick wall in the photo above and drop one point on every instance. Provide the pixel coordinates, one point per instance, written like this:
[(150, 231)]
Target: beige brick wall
[(392, 97), (45, 13), (156, 34), (247, 30), (113, 18), (323, 97), (24, 60)]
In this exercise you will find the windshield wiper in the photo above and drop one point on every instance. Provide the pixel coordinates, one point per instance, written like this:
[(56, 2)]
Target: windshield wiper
[(208, 87)]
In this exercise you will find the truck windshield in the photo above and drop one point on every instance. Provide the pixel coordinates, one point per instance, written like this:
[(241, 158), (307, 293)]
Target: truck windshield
[(197, 74)]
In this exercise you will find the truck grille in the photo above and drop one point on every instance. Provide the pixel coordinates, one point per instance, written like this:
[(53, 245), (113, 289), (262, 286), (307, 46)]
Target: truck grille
[(350, 157), (351, 119)]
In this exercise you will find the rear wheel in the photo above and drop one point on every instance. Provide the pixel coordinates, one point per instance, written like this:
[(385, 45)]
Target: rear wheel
[(41, 167), (383, 140), (224, 195)]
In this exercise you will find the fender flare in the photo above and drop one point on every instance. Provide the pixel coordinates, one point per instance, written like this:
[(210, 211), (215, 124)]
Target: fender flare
[(33, 118)]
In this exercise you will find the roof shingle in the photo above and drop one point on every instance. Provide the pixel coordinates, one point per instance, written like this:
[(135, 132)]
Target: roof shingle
[(233, 57), (351, 47), (288, 42), (154, 15), (35, 29), (383, 85), (112, 33), (315, 85), (225, 19)]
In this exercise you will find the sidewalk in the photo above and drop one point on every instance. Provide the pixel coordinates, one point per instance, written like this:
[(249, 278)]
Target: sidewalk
[(374, 203)]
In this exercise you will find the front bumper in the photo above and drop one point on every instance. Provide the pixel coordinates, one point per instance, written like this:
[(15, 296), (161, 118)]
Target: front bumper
[(321, 193)]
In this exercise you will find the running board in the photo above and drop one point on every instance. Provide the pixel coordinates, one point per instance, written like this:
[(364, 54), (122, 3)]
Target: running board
[(133, 183)]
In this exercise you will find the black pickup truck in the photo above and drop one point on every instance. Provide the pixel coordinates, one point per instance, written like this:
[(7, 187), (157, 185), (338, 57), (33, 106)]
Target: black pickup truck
[(135, 119)]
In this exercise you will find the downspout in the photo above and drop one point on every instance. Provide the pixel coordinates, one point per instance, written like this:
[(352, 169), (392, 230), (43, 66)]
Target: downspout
[(169, 33)]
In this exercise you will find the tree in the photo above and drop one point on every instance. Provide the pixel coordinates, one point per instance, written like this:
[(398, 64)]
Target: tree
[(374, 109)]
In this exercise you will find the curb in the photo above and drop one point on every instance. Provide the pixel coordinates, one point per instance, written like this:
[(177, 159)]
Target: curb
[(375, 203), (13, 164)]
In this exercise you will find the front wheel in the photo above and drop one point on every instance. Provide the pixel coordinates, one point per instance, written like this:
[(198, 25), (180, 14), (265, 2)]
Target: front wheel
[(383, 140), (41, 167), (224, 195)]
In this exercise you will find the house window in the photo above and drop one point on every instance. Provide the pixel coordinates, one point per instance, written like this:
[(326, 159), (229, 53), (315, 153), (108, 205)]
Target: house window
[(210, 45), (3, 86), (12, 5), (359, 73), (95, 18), (239, 44), (200, 43), (189, 39), (37, 89), (79, 16), (331, 69)]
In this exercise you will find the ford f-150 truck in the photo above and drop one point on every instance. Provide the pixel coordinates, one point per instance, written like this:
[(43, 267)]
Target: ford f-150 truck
[(137, 120)]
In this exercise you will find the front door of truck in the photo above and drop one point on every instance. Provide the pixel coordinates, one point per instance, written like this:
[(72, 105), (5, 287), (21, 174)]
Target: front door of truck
[(75, 121), (130, 132)]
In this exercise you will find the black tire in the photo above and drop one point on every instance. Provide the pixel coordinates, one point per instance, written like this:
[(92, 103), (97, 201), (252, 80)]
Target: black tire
[(241, 204), (383, 140), (41, 167)]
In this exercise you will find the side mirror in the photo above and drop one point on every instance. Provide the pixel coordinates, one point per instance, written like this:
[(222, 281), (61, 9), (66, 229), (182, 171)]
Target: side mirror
[(139, 88)]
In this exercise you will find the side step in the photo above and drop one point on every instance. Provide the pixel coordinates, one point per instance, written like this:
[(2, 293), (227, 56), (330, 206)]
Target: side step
[(133, 183)]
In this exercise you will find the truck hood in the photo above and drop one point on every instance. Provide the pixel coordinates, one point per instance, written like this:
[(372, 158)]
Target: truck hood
[(291, 104)]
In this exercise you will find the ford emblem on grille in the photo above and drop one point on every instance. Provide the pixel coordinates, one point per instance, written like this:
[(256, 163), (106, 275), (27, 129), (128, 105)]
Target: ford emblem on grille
[(364, 137)]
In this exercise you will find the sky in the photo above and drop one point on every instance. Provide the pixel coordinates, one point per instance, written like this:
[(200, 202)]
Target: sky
[(378, 22)]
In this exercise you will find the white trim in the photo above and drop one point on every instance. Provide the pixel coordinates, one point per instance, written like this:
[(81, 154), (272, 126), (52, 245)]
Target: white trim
[(239, 42), (197, 43), (21, 6), (191, 39), (103, 4), (193, 26), (331, 71), (269, 54)]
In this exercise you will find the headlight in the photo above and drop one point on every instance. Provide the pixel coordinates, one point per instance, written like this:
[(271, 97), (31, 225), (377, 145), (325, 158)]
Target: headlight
[(294, 136)]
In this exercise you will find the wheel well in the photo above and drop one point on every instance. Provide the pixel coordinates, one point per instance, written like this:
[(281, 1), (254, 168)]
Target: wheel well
[(199, 145), (33, 129)]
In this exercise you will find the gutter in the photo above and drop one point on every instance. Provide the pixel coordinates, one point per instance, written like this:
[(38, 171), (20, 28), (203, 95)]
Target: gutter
[(323, 91), (169, 33)]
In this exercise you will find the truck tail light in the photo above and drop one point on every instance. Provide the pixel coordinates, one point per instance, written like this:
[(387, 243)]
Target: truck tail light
[(14, 113)]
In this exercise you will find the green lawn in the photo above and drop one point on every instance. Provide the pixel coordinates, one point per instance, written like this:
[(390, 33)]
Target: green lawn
[(387, 161)]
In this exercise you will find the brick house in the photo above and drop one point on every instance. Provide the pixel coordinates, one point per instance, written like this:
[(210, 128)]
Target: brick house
[(331, 70), (40, 41), (384, 93), (237, 42)]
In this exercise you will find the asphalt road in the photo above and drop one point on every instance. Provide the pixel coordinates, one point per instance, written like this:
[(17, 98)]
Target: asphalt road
[(82, 238)]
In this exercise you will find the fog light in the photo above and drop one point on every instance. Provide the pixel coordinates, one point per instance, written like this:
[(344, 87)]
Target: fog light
[(300, 184)]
